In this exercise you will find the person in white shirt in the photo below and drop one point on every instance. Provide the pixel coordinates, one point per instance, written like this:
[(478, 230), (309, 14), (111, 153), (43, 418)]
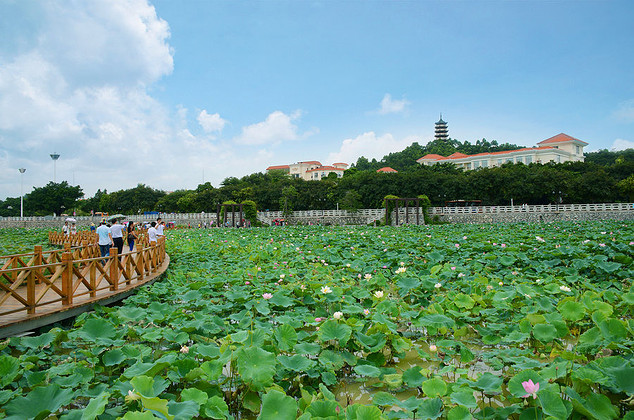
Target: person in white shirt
[(116, 230), (159, 229), (105, 239), (65, 229), (151, 234)]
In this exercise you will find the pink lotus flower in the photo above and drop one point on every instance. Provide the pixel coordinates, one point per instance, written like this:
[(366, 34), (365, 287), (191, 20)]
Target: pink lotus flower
[(531, 388), (317, 319), (247, 283), (267, 295)]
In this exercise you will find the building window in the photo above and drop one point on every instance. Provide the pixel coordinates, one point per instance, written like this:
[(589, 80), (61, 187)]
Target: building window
[(577, 150), (510, 159), (476, 164), (485, 163), (499, 162), (529, 159), (518, 159)]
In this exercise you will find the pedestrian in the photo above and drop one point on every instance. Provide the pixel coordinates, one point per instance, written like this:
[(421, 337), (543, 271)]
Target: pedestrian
[(73, 229), (92, 227), (117, 235), (151, 234), (105, 239), (66, 229), (131, 235), (160, 226)]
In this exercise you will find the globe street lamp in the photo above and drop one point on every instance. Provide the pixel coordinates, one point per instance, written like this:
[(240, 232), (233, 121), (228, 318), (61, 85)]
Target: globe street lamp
[(54, 156), (22, 170)]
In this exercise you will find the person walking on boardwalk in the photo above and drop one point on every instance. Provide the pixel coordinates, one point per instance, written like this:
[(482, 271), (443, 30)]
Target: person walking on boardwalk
[(105, 239), (131, 235), (66, 229), (117, 235), (151, 234), (160, 226)]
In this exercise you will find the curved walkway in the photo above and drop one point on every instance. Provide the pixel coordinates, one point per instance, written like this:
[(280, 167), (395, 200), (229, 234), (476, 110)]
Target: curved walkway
[(45, 287)]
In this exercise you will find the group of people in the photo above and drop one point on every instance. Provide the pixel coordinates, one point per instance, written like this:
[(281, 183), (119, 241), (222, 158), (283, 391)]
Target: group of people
[(113, 235), (69, 229)]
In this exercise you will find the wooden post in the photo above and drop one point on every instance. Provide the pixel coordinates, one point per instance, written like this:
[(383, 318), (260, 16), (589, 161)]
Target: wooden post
[(30, 293), (114, 269), (93, 277), (37, 260), (140, 263), (67, 278)]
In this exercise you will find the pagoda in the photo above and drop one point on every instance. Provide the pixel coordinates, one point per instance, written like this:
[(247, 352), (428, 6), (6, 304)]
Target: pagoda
[(441, 130)]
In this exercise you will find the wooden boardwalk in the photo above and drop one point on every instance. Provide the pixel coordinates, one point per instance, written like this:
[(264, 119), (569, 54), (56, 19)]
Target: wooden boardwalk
[(45, 287)]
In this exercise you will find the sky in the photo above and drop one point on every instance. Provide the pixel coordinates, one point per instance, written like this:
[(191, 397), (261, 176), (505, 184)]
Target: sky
[(171, 94)]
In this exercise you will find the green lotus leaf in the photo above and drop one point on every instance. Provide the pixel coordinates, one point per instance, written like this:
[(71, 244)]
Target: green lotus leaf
[(551, 402), (385, 399), (127, 313), (331, 360), (333, 330), (464, 397), (393, 380), (363, 412), (613, 330), (210, 351), (138, 415), (157, 405), (41, 401), (372, 343), (216, 408), (459, 413), (39, 341), (256, 367), (413, 377), (489, 383), (436, 320), (608, 267), (406, 284), (9, 369), (282, 300), (308, 348), (430, 409), (435, 387), (572, 311), (515, 386), (322, 409), (149, 387), (194, 394), (545, 332), (98, 331), (286, 337), (596, 406), (297, 363), (277, 405), (368, 370), (183, 410), (141, 368), (113, 357)]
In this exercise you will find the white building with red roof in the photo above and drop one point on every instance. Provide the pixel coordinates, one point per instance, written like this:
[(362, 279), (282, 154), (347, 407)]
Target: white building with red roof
[(559, 148), (311, 170)]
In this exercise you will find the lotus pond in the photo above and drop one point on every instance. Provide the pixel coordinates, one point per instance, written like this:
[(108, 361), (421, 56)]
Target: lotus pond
[(523, 321)]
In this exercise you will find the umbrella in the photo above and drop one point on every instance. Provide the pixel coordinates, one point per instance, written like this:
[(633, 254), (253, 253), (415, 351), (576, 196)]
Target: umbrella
[(70, 219), (117, 217)]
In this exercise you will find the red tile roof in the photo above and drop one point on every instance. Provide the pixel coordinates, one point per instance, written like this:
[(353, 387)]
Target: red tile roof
[(387, 169), (561, 138), (457, 155), (432, 156), (340, 163), (272, 168), (312, 162)]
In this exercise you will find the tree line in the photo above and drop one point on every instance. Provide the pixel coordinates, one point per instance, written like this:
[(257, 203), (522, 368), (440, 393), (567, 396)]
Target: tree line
[(604, 177)]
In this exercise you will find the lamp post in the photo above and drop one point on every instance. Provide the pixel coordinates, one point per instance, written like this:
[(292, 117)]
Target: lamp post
[(22, 170), (54, 156)]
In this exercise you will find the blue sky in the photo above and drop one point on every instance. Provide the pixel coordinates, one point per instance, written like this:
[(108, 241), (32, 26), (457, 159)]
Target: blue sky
[(169, 93)]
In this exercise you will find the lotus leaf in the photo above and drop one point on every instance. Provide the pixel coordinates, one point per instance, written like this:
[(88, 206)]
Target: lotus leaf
[(277, 405)]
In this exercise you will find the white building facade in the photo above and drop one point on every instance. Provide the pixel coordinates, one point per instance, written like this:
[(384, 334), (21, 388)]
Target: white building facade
[(558, 149)]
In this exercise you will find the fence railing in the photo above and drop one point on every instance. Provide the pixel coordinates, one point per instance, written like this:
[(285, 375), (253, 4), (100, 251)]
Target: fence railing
[(34, 280), (529, 208), (376, 213)]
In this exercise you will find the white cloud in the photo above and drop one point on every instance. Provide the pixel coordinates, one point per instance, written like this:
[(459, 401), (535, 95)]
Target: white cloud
[(392, 106), (369, 145), (277, 127), (625, 111), (211, 122), (622, 144)]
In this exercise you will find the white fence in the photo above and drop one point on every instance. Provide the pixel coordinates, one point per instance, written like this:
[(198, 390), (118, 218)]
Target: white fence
[(367, 213), (550, 208)]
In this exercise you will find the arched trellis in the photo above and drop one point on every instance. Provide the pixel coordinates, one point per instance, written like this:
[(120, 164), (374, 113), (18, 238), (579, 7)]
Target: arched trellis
[(406, 202), (233, 213)]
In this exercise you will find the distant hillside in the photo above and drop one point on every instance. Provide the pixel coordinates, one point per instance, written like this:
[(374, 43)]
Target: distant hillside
[(406, 159)]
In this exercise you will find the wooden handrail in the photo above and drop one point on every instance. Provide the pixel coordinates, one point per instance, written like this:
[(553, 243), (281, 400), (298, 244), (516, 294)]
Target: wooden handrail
[(64, 272)]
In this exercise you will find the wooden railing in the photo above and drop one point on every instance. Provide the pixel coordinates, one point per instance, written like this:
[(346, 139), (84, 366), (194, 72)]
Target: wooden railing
[(64, 275)]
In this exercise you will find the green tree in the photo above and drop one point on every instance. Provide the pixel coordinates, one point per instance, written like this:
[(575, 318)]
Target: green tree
[(626, 186), (286, 201), (351, 201), (54, 198)]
